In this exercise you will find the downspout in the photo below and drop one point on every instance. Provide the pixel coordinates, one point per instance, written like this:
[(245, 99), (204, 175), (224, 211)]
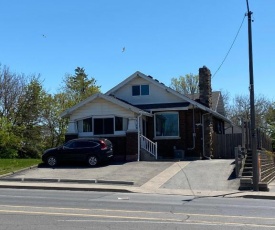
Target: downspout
[(194, 132), (203, 148), (138, 124)]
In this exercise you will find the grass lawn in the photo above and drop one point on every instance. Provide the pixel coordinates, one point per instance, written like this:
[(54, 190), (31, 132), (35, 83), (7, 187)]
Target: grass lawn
[(11, 165)]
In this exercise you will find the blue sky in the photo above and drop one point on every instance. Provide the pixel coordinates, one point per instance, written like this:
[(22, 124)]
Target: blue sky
[(164, 39)]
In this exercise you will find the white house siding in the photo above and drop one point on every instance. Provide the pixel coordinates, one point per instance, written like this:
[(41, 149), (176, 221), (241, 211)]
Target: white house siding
[(100, 107), (156, 94)]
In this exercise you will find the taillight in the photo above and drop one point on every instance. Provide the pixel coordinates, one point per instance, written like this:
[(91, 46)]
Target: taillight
[(103, 145)]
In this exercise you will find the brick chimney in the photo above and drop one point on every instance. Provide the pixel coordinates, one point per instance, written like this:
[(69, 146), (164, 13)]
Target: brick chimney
[(205, 86)]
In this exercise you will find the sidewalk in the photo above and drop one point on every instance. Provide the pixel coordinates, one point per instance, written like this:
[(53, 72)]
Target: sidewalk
[(191, 178)]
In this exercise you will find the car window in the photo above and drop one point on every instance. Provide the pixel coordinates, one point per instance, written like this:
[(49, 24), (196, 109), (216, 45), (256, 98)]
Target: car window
[(92, 144), (70, 144), (82, 144)]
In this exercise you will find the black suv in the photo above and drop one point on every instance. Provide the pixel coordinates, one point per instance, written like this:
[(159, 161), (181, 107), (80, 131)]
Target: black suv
[(89, 150)]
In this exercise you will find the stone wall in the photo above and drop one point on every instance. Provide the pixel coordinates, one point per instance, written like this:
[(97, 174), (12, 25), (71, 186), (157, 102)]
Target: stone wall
[(205, 86), (208, 135), (206, 99)]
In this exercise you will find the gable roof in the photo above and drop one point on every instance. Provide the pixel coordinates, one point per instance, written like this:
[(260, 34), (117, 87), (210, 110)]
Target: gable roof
[(172, 91), (111, 99), (217, 101)]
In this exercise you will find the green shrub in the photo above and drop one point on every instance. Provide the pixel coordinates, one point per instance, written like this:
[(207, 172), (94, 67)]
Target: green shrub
[(8, 153)]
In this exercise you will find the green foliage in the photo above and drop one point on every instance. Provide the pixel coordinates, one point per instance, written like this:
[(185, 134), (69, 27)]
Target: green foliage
[(30, 117), (270, 121), (9, 142), (78, 86), (11, 165), (54, 127), (189, 84)]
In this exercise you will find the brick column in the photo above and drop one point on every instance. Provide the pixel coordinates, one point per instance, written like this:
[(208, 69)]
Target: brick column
[(131, 146)]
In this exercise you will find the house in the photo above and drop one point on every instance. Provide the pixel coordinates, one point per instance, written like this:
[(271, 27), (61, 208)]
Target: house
[(143, 116)]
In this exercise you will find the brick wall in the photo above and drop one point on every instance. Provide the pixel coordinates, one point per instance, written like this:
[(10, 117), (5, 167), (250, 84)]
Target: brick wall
[(185, 142), (131, 146)]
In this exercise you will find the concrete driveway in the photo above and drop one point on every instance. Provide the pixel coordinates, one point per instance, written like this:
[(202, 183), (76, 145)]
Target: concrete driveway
[(211, 175)]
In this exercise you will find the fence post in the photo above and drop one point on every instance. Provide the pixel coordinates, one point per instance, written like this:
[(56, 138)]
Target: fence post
[(237, 167)]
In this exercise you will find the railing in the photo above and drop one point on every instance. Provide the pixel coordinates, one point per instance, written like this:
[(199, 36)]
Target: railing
[(149, 146)]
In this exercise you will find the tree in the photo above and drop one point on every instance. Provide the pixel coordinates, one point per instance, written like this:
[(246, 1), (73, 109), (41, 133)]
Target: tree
[(9, 141), (270, 120), (240, 110), (11, 89), (20, 116), (226, 101), (189, 84), (54, 127), (78, 86), (28, 116)]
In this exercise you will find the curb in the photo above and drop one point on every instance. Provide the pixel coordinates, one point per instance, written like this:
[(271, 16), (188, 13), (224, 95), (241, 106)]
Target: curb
[(50, 180), (267, 197), (66, 188)]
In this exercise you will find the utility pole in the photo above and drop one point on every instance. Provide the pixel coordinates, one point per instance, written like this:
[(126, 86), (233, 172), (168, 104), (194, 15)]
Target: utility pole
[(255, 164)]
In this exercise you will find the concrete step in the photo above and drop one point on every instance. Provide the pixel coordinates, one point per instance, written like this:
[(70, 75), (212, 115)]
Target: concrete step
[(246, 183), (146, 156)]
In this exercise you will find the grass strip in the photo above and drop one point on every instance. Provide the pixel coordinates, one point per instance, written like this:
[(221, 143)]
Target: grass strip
[(12, 165)]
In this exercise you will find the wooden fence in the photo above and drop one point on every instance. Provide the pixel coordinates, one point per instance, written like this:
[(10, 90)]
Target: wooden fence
[(224, 144)]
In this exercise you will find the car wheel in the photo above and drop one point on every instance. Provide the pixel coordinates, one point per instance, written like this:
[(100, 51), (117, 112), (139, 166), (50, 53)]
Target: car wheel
[(92, 161), (51, 161)]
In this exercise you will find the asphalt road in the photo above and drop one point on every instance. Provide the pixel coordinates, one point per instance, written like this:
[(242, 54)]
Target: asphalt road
[(40, 209)]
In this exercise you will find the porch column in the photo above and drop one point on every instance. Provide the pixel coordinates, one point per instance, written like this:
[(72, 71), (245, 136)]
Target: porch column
[(72, 127), (132, 140), (132, 125), (72, 131)]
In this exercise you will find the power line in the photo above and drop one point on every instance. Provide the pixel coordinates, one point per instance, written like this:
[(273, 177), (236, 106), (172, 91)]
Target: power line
[(230, 47)]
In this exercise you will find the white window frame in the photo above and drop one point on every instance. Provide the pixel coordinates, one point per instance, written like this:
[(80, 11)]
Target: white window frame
[(86, 134)]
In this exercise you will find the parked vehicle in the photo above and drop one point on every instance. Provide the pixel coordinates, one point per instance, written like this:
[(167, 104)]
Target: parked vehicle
[(89, 150)]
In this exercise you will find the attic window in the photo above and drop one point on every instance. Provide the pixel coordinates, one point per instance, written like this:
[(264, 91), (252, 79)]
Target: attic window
[(138, 90)]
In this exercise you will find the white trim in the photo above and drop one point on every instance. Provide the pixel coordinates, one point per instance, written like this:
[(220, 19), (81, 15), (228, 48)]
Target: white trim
[(116, 132), (111, 99)]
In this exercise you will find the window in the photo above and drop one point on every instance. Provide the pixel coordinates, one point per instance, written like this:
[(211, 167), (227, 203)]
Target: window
[(103, 126), (167, 124), (138, 90), (144, 89), (118, 123), (135, 90), (87, 125)]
